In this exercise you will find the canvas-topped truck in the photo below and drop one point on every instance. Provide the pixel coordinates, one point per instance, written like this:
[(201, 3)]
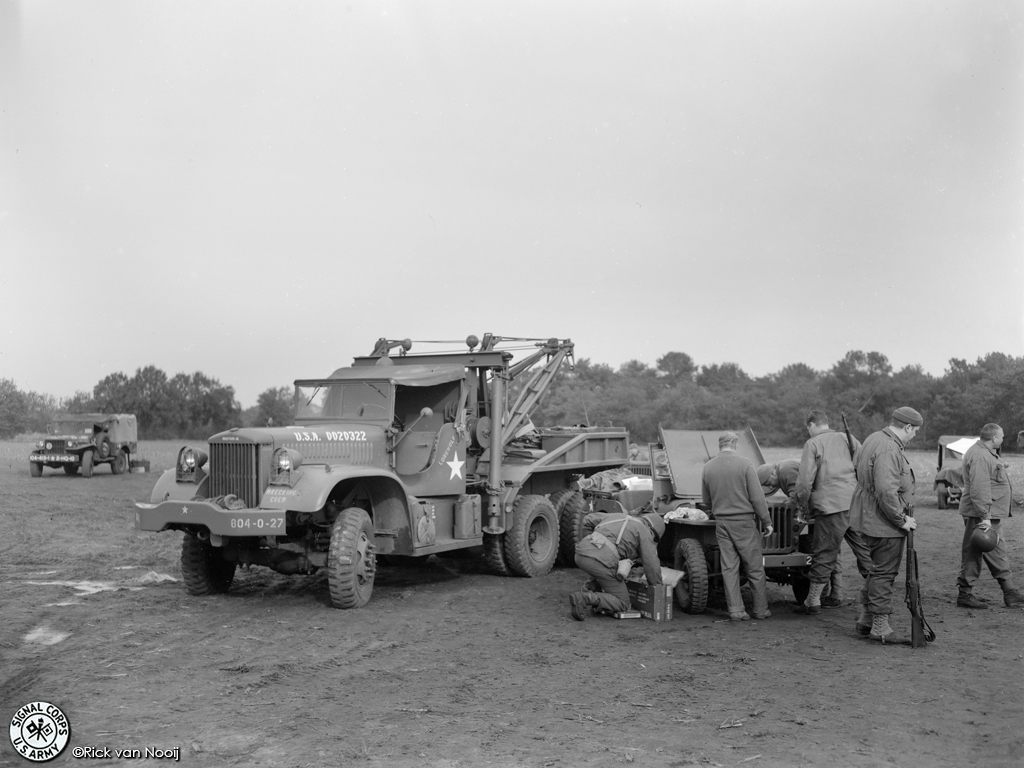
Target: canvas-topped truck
[(81, 441), (401, 454)]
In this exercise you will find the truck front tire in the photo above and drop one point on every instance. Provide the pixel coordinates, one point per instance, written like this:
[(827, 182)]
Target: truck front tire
[(351, 559), (35, 469), (203, 568), (531, 544), (87, 464)]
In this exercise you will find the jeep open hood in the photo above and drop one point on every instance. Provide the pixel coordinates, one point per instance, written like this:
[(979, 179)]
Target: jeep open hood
[(689, 450), (406, 375)]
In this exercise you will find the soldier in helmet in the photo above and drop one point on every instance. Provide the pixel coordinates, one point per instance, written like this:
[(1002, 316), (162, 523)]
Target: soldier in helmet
[(609, 537), (985, 501)]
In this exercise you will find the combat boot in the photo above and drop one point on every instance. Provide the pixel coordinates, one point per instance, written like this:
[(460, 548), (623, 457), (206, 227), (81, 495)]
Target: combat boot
[(883, 633), (1012, 598), (966, 599), (863, 626), (831, 602), (579, 602)]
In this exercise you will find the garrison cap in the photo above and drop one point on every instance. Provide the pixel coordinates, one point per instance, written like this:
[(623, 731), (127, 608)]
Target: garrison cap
[(907, 415)]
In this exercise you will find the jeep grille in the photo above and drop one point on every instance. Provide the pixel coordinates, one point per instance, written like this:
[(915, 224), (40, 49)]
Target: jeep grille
[(58, 445), (235, 468), (783, 539)]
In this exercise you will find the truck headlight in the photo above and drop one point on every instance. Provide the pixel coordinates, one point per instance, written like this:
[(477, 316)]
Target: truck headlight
[(40, 444), (284, 465), (190, 461)]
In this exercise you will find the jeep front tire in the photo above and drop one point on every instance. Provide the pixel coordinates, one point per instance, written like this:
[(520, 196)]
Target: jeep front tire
[(35, 468)]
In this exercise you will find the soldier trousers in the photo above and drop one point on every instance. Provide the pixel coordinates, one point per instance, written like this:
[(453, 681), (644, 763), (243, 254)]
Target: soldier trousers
[(829, 533), (972, 558), (886, 556), (613, 595), (739, 543)]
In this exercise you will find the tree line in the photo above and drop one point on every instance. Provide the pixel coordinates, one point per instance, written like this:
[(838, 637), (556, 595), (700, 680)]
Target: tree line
[(675, 393), (678, 394)]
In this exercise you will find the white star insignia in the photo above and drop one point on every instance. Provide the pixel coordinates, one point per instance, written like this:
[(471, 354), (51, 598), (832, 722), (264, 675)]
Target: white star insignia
[(184, 510), (456, 467)]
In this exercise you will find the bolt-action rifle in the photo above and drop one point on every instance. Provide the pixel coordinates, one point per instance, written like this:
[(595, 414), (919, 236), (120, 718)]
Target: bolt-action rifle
[(920, 633), (849, 440)]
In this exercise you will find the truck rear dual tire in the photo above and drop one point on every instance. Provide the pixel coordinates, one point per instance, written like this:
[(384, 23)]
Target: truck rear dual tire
[(570, 508), (120, 463), (351, 559), (531, 543), (203, 567)]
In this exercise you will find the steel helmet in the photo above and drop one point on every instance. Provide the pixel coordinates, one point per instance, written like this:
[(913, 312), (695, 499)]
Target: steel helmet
[(984, 540), (656, 522)]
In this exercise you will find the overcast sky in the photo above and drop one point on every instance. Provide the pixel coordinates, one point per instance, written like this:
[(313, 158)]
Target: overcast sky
[(259, 191)]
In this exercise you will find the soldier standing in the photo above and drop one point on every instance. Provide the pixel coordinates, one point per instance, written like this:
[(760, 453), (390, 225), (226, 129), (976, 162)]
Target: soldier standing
[(881, 510), (985, 501), (825, 487), (730, 488)]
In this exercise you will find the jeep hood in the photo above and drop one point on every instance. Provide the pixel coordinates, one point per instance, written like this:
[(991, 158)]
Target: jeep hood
[(687, 451)]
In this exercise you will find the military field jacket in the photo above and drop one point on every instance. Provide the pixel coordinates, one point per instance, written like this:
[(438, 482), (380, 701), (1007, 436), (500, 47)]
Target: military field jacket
[(826, 480), (636, 543), (885, 487), (987, 492), (729, 486)]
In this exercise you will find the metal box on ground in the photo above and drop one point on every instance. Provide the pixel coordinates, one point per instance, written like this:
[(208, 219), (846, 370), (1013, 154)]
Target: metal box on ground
[(653, 602)]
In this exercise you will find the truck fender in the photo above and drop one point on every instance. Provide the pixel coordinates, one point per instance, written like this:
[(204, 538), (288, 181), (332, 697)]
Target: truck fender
[(311, 492), (167, 487)]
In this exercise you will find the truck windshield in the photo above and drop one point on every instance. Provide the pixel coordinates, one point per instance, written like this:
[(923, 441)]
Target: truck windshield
[(70, 428), (343, 400)]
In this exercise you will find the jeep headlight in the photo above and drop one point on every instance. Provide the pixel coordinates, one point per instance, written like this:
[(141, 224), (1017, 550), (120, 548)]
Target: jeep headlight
[(40, 444), (284, 465), (190, 461)]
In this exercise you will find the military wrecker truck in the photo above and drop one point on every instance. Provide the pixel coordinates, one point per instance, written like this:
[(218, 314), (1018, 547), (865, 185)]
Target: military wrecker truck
[(400, 455)]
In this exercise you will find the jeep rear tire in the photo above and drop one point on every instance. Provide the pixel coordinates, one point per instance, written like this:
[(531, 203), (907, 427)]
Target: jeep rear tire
[(571, 508), (87, 464), (692, 588), (531, 544), (35, 469), (351, 559), (70, 470), (203, 567), (119, 464)]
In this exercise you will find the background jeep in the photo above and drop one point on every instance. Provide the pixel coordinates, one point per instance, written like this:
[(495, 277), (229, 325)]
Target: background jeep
[(85, 440)]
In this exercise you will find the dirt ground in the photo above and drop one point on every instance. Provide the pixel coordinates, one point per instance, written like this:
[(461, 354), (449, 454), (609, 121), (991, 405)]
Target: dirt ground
[(450, 666)]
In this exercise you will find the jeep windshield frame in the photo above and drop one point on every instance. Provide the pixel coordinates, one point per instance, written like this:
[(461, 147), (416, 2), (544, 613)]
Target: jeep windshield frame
[(330, 400)]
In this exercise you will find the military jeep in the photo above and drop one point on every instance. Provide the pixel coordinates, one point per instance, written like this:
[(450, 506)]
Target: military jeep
[(83, 440), (691, 546)]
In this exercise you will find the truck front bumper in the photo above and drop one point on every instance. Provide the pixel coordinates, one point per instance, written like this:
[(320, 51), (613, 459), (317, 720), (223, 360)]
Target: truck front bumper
[(219, 521)]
